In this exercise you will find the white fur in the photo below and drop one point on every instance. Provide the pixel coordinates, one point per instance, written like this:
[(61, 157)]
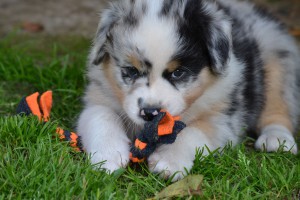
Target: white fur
[(149, 35), (104, 138)]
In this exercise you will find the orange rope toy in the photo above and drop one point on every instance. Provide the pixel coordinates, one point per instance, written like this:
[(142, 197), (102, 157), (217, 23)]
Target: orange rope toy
[(42, 109), (163, 129)]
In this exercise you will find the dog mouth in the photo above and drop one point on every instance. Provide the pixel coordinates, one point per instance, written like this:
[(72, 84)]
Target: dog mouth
[(148, 114)]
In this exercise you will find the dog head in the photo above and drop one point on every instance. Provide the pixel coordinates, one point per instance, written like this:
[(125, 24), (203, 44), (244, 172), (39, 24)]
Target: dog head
[(161, 54)]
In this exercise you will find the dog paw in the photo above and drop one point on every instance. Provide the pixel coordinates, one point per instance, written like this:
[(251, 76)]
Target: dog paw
[(274, 138), (168, 162), (111, 160)]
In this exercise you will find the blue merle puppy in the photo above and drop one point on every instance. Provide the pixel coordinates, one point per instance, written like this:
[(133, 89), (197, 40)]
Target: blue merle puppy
[(225, 66)]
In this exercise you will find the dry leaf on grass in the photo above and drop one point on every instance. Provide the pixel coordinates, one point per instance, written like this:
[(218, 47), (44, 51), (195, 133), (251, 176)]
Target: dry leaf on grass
[(189, 186)]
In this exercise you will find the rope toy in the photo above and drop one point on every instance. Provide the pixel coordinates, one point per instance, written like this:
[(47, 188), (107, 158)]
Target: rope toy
[(42, 109), (163, 129)]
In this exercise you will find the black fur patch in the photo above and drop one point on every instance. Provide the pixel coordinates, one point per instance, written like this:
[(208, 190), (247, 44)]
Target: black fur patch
[(254, 79), (130, 19), (194, 32), (235, 103), (144, 8), (283, 54), (247, 51), (166, 8), (221, 47), (103, 35), (99, 57), (195, 29), (265, 14), (148, 64)]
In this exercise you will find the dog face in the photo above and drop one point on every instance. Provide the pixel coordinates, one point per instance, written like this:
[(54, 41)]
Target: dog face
[(161, 54)]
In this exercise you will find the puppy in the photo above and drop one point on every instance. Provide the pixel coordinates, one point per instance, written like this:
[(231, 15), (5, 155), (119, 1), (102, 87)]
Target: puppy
[(224, 66)]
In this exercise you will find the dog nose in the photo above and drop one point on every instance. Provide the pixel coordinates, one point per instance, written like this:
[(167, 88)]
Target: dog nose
[(149, 113)]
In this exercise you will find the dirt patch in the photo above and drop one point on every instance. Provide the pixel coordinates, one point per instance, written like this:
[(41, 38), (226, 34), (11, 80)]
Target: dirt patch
[(78, 17), (81, 17)]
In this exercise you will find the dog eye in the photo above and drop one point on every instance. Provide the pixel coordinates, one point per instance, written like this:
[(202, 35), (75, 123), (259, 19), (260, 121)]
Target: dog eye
[(130, 72), (178, 74)]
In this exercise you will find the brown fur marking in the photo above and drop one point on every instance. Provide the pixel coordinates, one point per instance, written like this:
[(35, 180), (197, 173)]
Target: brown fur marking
[(276, 110), (203, 120), (206, 79), (173, 65), (108, 71), (135, 62)]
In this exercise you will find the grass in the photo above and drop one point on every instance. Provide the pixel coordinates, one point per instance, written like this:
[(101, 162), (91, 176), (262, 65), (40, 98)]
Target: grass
[(36, 165)]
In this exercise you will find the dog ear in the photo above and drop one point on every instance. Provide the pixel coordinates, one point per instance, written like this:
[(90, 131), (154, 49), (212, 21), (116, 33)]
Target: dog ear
[(210, 28), (220, 44), (103, 35)]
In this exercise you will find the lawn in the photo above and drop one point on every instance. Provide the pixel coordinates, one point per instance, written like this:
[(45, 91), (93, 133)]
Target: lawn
[(35, 164)]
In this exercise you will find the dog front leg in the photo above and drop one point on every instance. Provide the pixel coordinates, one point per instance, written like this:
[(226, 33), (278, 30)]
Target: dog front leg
[(104, 138), (178, 158)]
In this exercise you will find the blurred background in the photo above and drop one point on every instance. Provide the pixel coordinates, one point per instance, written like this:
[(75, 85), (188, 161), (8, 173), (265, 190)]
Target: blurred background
[(55, 17), (80, 17)]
